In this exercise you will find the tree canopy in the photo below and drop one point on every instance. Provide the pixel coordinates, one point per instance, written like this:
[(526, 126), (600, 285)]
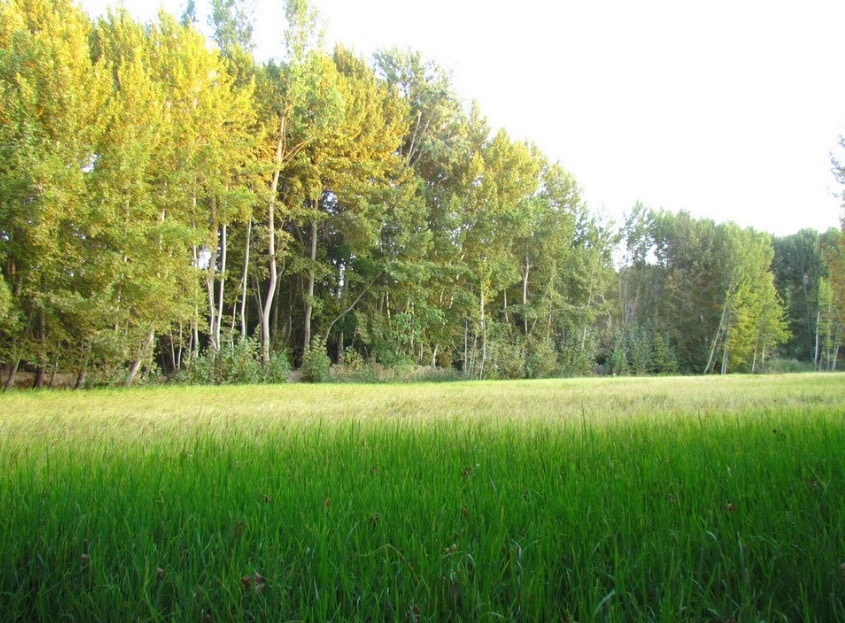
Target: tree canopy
[(168, 203)]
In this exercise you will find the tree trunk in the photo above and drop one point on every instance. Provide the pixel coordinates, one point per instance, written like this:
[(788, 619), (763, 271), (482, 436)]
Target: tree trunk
[(256, 297), (42, 332), (178, 360), (244, 278), (340, 348), (136, 365), (224, 243), (719, 331), (215, 295), (275, 325), (53, 375), (483, 338), (10, 380), (172, 351), (754, 360), (466, 346), (525, 296), (271, 245), (309, 307), (212, 304), (38, 383), (194, 350)]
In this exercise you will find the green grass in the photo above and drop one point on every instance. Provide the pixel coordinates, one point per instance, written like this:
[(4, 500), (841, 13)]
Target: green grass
[(684, 499)]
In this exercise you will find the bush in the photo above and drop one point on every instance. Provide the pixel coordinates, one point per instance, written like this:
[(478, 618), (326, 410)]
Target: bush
[(787, 366), (279, 369), (507, 361), (315, 364), (236, 364), (355, 369), (541, 360)]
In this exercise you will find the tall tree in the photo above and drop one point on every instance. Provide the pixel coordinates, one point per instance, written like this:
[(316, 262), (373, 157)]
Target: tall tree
[(424, 250), (798, 267), (300, 105), (231, 25), (143, 195), (51, 118), (212, 153), (756, 319), (355, 170), (832, 296), (696, 295)]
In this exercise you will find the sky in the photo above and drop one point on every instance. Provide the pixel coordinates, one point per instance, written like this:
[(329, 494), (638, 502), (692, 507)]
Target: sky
[(728, 109)]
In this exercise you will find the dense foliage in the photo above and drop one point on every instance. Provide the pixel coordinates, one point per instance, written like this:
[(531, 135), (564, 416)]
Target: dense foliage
[(163, 200)]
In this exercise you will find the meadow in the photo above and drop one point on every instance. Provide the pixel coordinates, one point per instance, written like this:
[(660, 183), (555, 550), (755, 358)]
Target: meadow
[(658, 499)]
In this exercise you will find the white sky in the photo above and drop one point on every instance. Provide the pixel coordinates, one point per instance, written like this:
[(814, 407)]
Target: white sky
[(729, 109)]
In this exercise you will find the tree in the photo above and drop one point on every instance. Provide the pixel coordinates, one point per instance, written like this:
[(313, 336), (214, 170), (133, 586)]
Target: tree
[(231, 24), (832, 298), (696, 295), (419, 240), (838, 169), (301, 104), (146, 234), (798, 267), (51, 119), (756, 319), (502, 176), (5, 300), (353, 171), (828, 328), (213, 149)]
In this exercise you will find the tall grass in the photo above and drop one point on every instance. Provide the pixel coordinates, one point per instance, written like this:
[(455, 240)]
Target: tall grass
[(617, 500)]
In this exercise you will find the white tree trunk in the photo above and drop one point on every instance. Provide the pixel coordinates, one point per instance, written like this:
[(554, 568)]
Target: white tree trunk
[(271, 246), (144, 353), (309, 307), (224, 243), (244, 278)]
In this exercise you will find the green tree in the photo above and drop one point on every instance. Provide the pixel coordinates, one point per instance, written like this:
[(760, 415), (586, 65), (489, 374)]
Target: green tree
[(51, 118), (146, 235), (211, 154), (299, 105), (798, 267), (231, 25), (419, 244), (697, 295), (354, 172), (5, 300), (832, 298), (758, 322)]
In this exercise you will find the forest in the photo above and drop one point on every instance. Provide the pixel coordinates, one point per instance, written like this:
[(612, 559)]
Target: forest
[(173, 209)]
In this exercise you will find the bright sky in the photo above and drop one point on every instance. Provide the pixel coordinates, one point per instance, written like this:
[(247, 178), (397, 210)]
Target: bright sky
[(729, 109)]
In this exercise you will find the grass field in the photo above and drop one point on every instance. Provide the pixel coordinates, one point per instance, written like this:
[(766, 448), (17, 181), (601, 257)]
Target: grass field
[(663, 499)]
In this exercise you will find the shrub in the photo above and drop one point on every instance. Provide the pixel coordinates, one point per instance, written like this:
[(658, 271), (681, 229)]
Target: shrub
[(354, 368), (787, 366), (507, 361), (541, 360), (238, 363), (279, 369), (315, 364)]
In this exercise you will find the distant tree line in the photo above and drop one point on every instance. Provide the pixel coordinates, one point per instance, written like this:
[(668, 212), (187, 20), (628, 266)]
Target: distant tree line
[(169, 206)]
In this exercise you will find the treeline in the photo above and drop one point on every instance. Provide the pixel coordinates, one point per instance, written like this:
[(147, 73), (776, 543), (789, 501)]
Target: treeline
[(172, 207), (695, 296)]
